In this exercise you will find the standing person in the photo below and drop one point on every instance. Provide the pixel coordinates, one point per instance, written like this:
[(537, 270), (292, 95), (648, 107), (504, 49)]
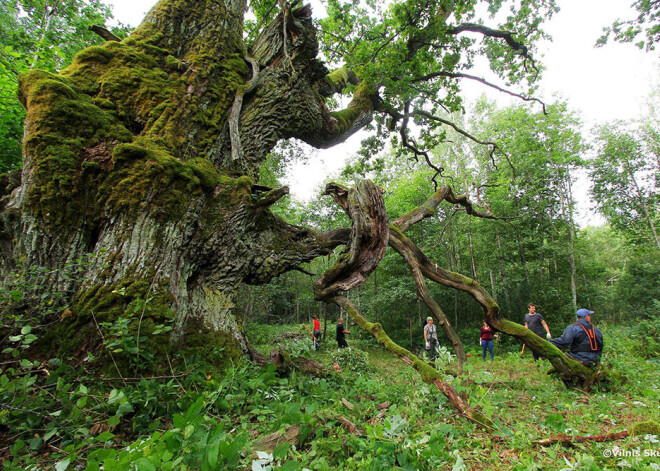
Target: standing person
[(534, 322), (431, 337), (317, 332), (486, 340), (341, 340), (584, 341)]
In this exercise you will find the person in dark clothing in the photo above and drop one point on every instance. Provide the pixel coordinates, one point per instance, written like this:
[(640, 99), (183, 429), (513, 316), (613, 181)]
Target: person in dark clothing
[(535, 322), (341, 340), (486, 340), (584, 341)]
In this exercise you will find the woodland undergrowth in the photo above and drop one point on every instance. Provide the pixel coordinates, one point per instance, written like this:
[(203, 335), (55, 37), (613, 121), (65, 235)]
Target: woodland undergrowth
[(65, 413)]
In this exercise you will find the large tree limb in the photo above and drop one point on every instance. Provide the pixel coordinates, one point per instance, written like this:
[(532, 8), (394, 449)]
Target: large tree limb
[(493, 33), (428, 208), (103, 32), (437, 312), (567, 439), (369, 238), (429, 374), (567, 368)]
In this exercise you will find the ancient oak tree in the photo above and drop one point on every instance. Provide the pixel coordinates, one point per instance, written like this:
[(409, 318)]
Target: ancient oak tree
[(146, 151)]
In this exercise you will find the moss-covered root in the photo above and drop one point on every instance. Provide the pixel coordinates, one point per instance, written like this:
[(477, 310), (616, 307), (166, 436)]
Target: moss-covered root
[(648, 427), (429, 375)]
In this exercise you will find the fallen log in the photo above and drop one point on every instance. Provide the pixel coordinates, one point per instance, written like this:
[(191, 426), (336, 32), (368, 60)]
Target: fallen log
[(570, 439), (268, 443)]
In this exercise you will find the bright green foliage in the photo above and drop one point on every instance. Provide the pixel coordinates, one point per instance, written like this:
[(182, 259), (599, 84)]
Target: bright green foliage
[(644, 30), (39, 34), (203, 419), (415, 52), (625, 174)]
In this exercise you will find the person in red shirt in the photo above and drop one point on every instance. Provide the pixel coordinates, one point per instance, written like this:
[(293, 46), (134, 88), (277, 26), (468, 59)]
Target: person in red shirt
[(317, 332), (486, 341)]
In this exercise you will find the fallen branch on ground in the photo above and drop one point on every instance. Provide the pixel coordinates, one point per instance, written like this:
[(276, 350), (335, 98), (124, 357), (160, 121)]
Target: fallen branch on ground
[(568, 439)]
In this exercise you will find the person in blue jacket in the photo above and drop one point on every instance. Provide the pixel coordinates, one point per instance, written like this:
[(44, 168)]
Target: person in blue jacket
[(583, 341)]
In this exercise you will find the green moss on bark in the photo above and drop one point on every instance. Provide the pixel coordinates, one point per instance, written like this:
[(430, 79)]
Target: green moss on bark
[(137, 116), (218, 347)]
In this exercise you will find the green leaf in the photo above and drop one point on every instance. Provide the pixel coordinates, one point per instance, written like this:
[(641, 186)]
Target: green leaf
[(36, 443), (291, 466), (104, 436), (26, 330), (144, 464), (81, 402), (125, 408), (62, 465), (115, 396), (113, 421), (179, 421), (281, 451)]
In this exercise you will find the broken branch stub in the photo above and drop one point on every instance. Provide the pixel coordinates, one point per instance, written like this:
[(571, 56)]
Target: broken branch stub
[(368, 240)]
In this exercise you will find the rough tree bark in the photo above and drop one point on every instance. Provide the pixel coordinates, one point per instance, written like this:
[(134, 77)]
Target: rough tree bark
[(128, 155)]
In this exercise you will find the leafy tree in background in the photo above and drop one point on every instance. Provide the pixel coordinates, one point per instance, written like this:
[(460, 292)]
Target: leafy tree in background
[(625, 176), (645, 29), (45, 34)]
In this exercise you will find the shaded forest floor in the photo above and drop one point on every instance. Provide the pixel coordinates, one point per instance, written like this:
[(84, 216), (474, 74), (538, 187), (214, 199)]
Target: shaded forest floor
[(375, 414), (420, 431)]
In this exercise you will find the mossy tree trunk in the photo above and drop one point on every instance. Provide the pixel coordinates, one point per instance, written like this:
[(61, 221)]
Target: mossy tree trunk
[(142, 153)]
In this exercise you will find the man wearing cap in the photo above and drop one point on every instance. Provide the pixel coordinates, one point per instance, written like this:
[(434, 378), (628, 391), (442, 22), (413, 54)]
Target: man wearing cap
[(431, 337), (584, 341)]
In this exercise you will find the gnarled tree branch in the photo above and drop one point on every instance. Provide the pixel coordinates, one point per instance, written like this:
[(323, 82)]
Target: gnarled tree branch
[(433, 75), (103, 32)]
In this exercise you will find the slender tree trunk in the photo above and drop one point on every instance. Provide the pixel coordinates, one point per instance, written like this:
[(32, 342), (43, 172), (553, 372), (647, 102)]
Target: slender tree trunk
[(642, 202), (566, 201), (505, 282), (49, 12), (325, 320), (410, 331), (554, 254), (523, 261), (473, 264), (492, 284)]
